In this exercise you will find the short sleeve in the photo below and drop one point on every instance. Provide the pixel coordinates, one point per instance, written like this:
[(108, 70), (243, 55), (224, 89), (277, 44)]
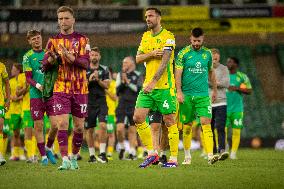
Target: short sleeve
[(170, 43), (22, 80), (26, 63), (210, 61), (4, 73), (246, 81), (142, 46), (179, 60)]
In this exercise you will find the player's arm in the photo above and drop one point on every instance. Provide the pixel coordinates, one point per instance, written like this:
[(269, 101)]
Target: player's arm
[(82, 59), (178, 75), (50, 56), (165, 60), (8, 94), (248, 89), (29, 74), (212, 78), (16, 98), (22, 90), (31, 81), (111, 92), (134, 86), (118, 84), (105, 81), (245, 91), (141, 57)]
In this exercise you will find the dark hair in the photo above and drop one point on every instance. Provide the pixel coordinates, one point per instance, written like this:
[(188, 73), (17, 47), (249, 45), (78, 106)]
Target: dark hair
[(33, 33), (236, 60), (197, 32), (110, 70), (65, 9), (157, 11), (19, 67), (96, 49)]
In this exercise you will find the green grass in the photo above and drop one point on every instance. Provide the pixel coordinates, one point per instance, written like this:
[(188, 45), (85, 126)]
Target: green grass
[(254, 169)]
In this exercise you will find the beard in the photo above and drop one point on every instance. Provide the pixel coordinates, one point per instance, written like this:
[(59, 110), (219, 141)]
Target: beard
[(196, 47), (94, 61), (150, 25)]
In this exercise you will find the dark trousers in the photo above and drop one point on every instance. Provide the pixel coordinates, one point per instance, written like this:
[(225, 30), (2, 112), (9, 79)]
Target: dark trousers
[(219, 115)]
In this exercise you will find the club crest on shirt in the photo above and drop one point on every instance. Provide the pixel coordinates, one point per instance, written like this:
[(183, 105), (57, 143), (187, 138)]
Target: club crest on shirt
[(204, 56), (75, 45)]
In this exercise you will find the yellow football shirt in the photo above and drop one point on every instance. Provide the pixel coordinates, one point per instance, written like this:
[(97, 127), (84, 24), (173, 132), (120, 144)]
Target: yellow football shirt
[(163, 40), (3, 75), (111, 104), (15, 106), (26, 99)]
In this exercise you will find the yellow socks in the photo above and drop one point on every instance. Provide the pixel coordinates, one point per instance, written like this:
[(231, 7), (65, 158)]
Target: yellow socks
[(34, 146), (187, 135), (70, 145), (1, 144), (5, 145), (144, 132), (55, 146), (16, 151), (109, 150), (208, 138), (28, 145), (236, 137), (173, 141)]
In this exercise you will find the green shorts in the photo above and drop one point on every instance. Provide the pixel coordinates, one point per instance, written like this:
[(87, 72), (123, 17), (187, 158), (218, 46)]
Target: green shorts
[(196, 122), (110, 124), (195, 106), (2, 112), (160, 98), (27, 121), (235, 120), (15, 121), (6, 127)]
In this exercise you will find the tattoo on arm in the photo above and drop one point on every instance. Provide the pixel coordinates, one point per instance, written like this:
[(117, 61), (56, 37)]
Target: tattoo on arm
[(165, 59)]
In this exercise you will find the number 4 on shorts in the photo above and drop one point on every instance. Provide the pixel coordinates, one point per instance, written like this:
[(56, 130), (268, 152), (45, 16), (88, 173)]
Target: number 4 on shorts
[(166, 105)]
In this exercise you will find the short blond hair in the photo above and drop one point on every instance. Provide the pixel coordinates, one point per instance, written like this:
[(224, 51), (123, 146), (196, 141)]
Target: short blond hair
[(215, 51), (65, 9), (32, 33)]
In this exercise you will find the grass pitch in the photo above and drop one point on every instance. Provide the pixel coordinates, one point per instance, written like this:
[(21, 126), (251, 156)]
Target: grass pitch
[(254, 169)]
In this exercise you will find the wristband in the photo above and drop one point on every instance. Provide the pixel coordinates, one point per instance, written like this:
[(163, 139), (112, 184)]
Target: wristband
[(38, 86)]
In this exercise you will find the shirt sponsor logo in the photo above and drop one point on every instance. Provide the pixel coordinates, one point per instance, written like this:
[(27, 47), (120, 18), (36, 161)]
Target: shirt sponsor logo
[(198, 69)]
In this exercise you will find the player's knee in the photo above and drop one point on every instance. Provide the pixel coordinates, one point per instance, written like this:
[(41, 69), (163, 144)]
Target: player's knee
[(155, 128), (103, 126), (39, 129), (205, 121), (79, 129), (169, 120), (16, 133), (120, 129), (138, 119)]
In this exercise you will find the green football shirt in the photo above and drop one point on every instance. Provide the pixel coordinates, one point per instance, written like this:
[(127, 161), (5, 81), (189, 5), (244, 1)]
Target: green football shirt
[(32, 62), (235, 98), (195, 65)]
